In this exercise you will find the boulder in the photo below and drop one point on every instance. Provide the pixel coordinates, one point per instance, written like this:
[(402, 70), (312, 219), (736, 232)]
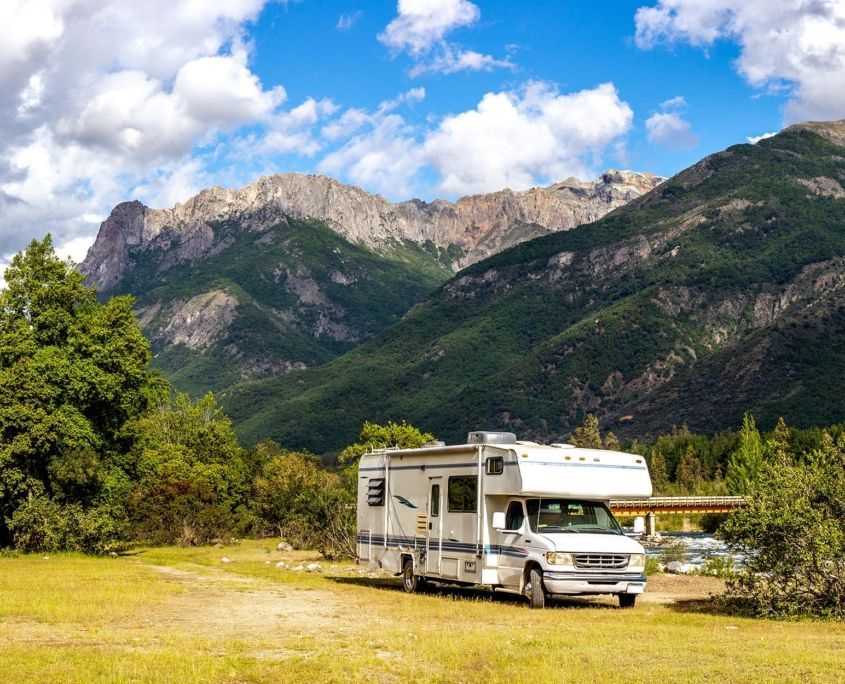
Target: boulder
[(283, 546)]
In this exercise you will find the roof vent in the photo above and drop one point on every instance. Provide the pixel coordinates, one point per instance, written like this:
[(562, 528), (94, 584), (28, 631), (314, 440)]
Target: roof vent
[(561, 445), (483, 437), (434, 443)]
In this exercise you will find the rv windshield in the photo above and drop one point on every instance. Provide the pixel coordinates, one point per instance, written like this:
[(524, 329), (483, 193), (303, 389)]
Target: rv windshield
[(568, 515)]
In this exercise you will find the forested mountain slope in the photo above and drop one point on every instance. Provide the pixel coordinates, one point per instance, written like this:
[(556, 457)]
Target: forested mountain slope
[(720, 291)]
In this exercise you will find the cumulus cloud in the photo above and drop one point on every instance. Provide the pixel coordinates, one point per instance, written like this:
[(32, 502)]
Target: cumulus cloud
[(797, 45), (668, 128), (515, 139), (97, 96), (420, 29)]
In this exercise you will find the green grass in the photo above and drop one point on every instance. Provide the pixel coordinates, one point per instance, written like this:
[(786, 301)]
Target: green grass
[(79, 619)]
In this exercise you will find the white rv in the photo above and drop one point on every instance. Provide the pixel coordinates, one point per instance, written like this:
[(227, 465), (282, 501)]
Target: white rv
[(515, 516)]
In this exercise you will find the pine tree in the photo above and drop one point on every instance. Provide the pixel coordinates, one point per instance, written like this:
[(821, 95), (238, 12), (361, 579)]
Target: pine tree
[(659, 473), (778, 447), (611, 442), (588, 436), (745, 463), (689, 472)]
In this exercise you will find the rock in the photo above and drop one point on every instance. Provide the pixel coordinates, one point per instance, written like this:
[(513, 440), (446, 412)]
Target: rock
[(679, 568), (480, 225), (314, 567), (225, 560), (283, 546), (113, 555), (298, 568), (266, 562), (282, 565)]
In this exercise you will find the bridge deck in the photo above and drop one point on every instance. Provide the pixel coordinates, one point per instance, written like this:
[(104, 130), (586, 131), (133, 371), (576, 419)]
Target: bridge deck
[(677, 504)]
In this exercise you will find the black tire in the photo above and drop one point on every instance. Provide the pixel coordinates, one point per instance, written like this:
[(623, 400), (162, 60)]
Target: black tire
[(627, 600), (410, 582), (535, 591)]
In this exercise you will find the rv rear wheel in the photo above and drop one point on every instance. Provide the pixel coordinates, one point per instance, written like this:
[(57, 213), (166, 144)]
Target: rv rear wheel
[(410, 582), (627, 600), (535, 590)]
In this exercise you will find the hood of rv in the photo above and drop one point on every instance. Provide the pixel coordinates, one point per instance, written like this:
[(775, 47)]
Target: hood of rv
[(593, 543)]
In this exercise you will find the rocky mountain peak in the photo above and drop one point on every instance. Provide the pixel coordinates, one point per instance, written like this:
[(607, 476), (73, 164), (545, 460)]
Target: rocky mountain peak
[(472, 228)]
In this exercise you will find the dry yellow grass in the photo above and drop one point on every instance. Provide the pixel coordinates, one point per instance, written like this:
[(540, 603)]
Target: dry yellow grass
[(183, 615)]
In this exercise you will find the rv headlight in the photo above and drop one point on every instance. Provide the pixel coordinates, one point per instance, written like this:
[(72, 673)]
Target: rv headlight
[(555, 558), (636, 560)]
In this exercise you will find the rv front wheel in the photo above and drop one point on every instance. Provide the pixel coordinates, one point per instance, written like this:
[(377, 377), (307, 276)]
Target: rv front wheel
[(535, 590), (627, 600)]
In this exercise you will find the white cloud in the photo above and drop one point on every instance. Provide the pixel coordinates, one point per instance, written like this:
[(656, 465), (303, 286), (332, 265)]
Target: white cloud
[(797, 45), (513, 139), (422, 24), (754, 139), (345, 22), (99, 96), (521, 138), (420, 29), (668, 128)]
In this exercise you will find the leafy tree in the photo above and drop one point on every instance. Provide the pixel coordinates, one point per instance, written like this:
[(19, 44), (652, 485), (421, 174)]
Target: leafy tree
[(190, 474), (375, 436), (72, 373), (793, 536), (745, 463), (309, 506), (587, 435)]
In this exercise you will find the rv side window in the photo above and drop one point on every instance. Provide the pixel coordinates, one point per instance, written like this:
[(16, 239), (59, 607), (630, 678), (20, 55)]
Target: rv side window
[(462, 494), (514, 516), (435, 500), (495, 465)]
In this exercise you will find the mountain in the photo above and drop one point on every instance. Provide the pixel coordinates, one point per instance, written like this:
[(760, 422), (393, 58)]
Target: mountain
[(292, 270), (719, 291)]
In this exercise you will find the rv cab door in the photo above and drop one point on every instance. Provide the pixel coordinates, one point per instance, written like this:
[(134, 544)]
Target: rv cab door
[(435, 525), (512, 540)]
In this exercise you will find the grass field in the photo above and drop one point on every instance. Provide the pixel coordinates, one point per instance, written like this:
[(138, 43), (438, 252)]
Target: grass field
[(184, 615)]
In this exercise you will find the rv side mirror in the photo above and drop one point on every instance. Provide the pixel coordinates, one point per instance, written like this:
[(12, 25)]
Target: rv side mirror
[(499, 520)]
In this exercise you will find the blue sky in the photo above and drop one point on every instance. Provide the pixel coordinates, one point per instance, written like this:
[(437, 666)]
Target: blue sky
[(103, 101)]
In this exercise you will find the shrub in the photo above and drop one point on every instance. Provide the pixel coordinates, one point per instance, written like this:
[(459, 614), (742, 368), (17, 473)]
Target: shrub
[(793, 536)]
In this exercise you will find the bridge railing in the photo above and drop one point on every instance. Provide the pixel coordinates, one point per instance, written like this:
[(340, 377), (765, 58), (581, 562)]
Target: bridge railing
[(658, 502)]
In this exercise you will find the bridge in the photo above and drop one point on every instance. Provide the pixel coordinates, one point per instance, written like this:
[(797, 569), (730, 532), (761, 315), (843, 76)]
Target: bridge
[(674, 504)]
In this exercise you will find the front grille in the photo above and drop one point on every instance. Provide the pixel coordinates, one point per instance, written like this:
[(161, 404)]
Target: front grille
[(601, 560)]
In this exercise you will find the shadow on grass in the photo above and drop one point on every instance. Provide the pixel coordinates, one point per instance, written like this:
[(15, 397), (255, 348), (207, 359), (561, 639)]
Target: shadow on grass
[(475, 594), (700, 606)]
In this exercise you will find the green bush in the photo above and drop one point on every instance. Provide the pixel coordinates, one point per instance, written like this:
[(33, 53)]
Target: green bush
[(793, 536)]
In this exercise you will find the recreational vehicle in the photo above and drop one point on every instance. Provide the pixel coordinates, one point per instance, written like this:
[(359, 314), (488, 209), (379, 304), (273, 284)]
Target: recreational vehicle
[(512, 515)]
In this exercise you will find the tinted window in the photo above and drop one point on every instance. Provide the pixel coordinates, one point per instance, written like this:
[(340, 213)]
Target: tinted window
[(435, 500), (462, 494), (495, 465), (514, 516)]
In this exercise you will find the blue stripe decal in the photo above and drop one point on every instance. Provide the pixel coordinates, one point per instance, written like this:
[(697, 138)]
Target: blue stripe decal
[(445, 545)]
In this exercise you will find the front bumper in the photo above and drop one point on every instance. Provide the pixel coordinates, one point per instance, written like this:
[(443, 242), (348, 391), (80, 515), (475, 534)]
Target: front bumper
[(593, 583)]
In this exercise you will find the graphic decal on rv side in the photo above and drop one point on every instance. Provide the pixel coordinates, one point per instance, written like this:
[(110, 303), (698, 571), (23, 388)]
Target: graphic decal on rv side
[(402, 500)]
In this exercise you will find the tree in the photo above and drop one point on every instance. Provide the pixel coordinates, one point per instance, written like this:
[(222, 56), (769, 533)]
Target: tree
[(745, 463), (778, 445), (689, 474), (72, 373), (792, 534), (587, 435), (658, 471), (611, 442), (190, 476), (375, 436)]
